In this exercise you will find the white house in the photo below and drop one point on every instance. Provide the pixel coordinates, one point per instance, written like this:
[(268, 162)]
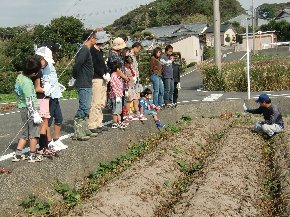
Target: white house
[(263, 40), (227, 35), (186, 39)]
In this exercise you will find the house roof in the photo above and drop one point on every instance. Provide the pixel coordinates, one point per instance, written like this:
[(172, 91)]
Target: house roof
[(224, 28), (241, 19), (177, 30), (284, 14)]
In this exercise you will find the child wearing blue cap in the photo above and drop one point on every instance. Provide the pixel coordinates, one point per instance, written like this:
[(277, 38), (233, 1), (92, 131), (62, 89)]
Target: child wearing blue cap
[(273, 122)]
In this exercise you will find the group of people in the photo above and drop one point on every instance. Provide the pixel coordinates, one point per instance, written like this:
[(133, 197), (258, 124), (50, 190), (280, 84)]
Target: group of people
[(99, 82), (116, 81), (165, 77), (38, 92)]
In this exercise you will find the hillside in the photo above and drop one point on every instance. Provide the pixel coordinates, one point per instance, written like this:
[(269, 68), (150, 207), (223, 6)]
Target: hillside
[(270, 11), (169, 12)]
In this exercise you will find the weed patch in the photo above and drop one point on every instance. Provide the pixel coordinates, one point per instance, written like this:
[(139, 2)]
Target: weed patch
[(35, 206)]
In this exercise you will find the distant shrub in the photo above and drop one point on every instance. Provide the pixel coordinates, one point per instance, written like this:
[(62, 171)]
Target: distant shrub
[(271, 75)]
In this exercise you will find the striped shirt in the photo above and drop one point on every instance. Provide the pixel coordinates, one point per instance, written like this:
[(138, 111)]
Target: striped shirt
[(116, 84)]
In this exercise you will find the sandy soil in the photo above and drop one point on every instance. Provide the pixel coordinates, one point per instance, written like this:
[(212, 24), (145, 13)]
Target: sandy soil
[(140, 190)]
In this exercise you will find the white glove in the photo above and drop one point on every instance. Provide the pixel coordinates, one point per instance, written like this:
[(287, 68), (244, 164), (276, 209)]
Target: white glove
[(71, 82), (245, 107), (47, 89), (135, 79), (36, 118), (107, 77), (126, 93), (178, 86), (118, 99)]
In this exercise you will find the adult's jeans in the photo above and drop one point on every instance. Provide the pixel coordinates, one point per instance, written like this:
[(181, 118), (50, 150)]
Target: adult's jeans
[(158, 90), (168, 90), (85, 99)]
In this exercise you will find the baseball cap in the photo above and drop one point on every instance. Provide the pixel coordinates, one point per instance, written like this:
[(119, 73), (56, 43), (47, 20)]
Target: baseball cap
[(263, 97), (46, 53), (101, 37)]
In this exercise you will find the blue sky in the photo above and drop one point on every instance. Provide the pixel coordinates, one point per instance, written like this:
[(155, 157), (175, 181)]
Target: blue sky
[(93, 12)]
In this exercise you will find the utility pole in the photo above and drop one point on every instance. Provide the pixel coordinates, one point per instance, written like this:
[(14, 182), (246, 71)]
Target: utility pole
[(248, 60), (253, 25), (217, 34)]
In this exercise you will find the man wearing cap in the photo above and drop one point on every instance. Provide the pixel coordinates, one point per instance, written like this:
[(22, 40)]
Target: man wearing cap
[(83, 72), (273, 122), (101, 78)]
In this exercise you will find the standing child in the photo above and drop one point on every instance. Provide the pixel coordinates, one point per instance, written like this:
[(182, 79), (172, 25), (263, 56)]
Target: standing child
[(28, 105), (147, 108), (50, 75), (131, 95), (176, 78), (116, 94), (43, 89)]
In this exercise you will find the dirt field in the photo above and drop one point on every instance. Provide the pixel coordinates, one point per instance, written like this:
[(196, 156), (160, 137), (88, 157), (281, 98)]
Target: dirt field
[(214, 167)]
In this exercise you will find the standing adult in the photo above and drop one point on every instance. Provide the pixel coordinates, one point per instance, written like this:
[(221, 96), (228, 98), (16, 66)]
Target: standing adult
[(135, 50), (156, 77), (83, 72), (101, 78), (167, 74), (115, 54)]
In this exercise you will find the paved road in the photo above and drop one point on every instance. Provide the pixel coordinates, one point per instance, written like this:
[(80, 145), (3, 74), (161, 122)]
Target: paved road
[(191, 92)]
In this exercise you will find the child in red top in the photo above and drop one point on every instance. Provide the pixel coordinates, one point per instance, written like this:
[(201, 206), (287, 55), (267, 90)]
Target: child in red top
[(116, 94)]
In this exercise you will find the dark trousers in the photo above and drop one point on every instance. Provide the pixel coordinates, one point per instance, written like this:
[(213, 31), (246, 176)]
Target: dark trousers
[(175, 93)]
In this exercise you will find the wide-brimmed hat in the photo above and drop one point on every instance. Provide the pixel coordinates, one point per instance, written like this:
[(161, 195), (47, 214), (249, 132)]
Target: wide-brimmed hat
[(46, 53), (101, 37), (118, 44)]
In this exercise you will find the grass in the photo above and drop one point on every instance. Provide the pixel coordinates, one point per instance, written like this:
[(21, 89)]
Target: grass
[(12, 98)]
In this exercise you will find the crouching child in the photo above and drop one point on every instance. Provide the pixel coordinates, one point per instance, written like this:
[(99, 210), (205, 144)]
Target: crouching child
[(147, 108), (28, 105), (273, 122)]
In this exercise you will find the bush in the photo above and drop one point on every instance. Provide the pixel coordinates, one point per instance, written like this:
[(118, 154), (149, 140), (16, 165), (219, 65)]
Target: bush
[(64, 74), (7, 81), (208, 52), (192, 64), (271, 75)]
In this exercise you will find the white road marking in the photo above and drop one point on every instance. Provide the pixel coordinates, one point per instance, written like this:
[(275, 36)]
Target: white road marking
[(212, 97), (233, 98)]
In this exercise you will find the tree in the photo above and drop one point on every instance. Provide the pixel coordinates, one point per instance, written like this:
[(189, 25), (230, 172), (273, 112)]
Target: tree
[(67, 31), (282, 29)]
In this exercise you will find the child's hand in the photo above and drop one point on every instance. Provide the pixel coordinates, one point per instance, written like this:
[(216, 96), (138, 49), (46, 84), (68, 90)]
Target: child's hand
[(126, 78)]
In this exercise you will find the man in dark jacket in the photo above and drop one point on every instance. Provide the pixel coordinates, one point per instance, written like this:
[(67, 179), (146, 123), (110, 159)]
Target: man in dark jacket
[(83, 72), (176, 79), (273, 122), (100, 80)]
